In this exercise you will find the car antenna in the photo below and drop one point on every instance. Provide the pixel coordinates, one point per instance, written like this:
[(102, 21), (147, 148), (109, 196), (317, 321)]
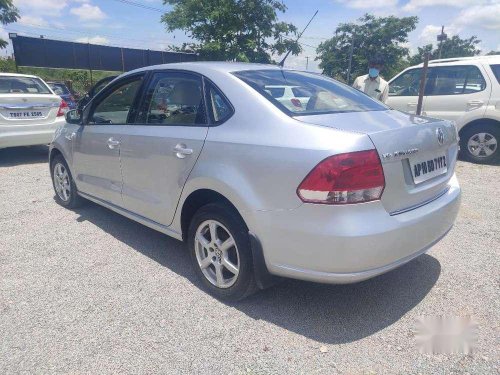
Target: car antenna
[(282, 62)]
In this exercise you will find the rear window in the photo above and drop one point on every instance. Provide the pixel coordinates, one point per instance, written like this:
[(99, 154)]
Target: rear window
[(317, 94), (22, 85), (496, 71)]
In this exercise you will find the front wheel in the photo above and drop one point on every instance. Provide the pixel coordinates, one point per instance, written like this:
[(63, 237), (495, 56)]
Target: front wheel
[(64, 186), (479, 144), (220, 252)]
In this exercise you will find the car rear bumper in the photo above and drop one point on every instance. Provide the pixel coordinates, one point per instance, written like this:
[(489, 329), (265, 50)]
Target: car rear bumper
[(20, 135), (345, 244)]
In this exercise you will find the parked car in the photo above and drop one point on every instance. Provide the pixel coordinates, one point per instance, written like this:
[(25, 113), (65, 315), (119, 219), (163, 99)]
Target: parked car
[(293, 97), (98, 86), (327, 194), (464, 90), (64, 92), (30, 111)]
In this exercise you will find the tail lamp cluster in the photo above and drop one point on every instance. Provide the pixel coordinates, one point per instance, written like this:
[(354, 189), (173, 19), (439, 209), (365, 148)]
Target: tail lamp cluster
[(353, 177), (63, 108)]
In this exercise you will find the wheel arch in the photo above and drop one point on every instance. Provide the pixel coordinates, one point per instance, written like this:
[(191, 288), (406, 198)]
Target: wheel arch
[(477, 122)]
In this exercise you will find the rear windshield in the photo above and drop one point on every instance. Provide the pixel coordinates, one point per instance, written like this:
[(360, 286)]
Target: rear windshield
[(22, 85), (59, 88), (311, 94)]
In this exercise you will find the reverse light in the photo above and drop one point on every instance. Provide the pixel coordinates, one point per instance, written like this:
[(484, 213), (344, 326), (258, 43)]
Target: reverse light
[(353, 177), (63, 108)]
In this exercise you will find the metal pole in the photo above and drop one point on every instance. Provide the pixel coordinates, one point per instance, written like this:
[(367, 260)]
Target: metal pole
[(90, 65), (421, 90), (307, 62), (441, 41), (351, 50)]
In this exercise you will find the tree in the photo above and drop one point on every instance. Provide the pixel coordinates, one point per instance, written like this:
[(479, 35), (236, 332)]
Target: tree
[(8, 14), (453, 47), (243, 30), (491, 53), (370, 36)]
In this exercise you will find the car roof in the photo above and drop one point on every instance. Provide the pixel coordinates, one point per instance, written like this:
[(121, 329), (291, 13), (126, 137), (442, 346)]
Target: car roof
[(488, 59), (205, 66), (18, 75)]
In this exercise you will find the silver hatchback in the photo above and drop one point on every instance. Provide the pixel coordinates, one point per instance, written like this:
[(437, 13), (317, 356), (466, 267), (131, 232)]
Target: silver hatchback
[(334, 187)]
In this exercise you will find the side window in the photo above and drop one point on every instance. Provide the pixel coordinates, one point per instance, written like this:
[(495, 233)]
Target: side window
[(407, 84), (220, 107), (455, 80), (496, 71), (173, 98), (116, 106)]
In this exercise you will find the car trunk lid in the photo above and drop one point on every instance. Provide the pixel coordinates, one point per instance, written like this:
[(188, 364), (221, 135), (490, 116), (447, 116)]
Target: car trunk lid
[(28, 109), (418, 154)]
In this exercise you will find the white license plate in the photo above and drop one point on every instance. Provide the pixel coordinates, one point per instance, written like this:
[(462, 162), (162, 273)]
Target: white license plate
[(26, 114), (424, 169)]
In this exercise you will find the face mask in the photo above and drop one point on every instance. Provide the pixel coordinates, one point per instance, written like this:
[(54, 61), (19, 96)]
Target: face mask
[(373, 72)]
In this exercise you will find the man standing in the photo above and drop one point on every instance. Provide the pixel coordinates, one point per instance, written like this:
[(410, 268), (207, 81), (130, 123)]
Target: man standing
[(371, 83)]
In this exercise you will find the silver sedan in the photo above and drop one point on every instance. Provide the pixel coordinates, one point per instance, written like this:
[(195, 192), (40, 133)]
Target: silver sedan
[(326, 185)]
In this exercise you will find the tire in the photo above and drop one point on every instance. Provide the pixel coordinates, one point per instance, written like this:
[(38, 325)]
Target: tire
[(213, 258), (61, 176), (481, 143)]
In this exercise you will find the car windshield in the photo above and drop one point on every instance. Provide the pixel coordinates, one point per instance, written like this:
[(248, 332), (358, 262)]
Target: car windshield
[(22, 85), (310, 94), (59, 88)]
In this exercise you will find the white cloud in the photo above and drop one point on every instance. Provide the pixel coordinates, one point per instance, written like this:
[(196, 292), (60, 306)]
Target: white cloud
[(42, 7), (93, 40), (369, 4), (430, 33), (485, 17), (28, 20), (413, 5), (87, 12)]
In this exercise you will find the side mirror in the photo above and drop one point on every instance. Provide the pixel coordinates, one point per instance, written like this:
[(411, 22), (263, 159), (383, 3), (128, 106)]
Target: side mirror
[(74, 117)]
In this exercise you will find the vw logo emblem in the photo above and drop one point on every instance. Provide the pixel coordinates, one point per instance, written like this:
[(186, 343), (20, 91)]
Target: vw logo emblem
[(440, 135)]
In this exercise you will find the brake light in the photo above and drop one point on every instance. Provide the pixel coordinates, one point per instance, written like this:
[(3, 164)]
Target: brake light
[(63, 108), (352, 177)]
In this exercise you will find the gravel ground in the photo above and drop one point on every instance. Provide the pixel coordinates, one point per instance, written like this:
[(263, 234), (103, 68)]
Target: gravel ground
[(89, 291)]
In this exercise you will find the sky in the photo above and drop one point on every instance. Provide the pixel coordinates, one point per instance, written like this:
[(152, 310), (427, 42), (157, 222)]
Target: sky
[(118, 23)]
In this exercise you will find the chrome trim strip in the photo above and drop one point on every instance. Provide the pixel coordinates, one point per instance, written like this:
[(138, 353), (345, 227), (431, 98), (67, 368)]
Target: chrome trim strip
[(420, 204)]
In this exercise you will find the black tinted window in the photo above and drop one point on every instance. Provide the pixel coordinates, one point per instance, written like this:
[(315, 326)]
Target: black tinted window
[(115, 107), (22, 85), (323, 94), (173, 98), (221, 109), (496, 71)]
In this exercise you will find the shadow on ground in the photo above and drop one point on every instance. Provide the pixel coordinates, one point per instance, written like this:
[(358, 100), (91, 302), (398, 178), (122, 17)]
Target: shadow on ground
[(326, 313), (10, 157)]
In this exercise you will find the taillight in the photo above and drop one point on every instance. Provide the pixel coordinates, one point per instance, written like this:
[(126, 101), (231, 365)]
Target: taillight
[(63, 108), (352, 177)]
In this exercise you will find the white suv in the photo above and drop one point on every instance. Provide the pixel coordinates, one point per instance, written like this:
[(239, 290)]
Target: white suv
[(465, 90)]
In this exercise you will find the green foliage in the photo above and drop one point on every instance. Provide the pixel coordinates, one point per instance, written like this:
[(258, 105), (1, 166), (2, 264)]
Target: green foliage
[(385, 36), (241, 30), (8, 14), (491, 53), (80, 79), (452, 47)]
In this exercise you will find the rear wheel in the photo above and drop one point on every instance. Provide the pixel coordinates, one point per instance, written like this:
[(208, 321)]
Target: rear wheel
[(220, 252), (64, 186), (480, 143)]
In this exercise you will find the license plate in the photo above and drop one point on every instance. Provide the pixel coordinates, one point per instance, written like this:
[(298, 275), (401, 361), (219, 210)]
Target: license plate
[(425, 169), (26, 114)]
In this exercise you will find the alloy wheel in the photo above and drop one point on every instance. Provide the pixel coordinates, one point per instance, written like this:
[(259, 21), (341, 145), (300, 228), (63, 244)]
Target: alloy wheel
[(217, 254), (62, 182), (482, 145)]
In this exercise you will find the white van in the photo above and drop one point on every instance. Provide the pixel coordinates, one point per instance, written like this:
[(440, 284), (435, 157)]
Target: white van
[(465, 90)]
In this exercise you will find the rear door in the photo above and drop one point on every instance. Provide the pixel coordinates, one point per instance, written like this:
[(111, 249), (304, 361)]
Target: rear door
[(160, 149), (96, 146), (403, 91), (451, 91)]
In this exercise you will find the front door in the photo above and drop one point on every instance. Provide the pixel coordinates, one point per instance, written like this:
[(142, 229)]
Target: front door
[(96, 150), (403, 91), (161, 148)]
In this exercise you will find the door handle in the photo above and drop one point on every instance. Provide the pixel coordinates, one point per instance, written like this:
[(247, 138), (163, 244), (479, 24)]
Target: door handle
[(181, 151), (475, 103), (112, 143), (411, 105)]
